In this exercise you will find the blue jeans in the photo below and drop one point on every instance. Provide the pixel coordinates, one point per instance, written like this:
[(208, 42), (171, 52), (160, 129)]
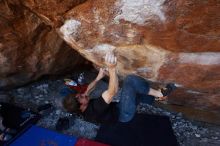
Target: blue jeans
[(134, 91)]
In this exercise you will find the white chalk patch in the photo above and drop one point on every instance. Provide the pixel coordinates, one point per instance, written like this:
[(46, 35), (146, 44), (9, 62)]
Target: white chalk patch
[(193, 92), (140, 11), (144, 69), (96, 15), (178, 85), (70, 27), (200, 58), (103, 48), (102, 29)]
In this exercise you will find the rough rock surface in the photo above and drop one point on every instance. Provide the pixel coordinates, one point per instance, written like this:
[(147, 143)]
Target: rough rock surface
[(30, 48), (51, 11), (161, 40)]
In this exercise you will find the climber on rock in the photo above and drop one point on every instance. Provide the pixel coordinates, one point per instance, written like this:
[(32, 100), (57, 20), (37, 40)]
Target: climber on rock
[(114, 104)]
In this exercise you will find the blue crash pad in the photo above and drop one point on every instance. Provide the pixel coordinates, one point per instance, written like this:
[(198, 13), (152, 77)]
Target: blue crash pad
[(38, 136)]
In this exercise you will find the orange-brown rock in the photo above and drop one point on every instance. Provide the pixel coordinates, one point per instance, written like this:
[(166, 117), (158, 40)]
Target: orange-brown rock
[(51, 11), (29, 48), (161, 40)]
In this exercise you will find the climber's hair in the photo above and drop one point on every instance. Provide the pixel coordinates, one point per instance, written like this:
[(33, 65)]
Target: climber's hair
[(71, 104)]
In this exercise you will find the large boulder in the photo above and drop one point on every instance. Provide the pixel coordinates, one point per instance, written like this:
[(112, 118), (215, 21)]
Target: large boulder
[(160, 40), (29, 47)]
